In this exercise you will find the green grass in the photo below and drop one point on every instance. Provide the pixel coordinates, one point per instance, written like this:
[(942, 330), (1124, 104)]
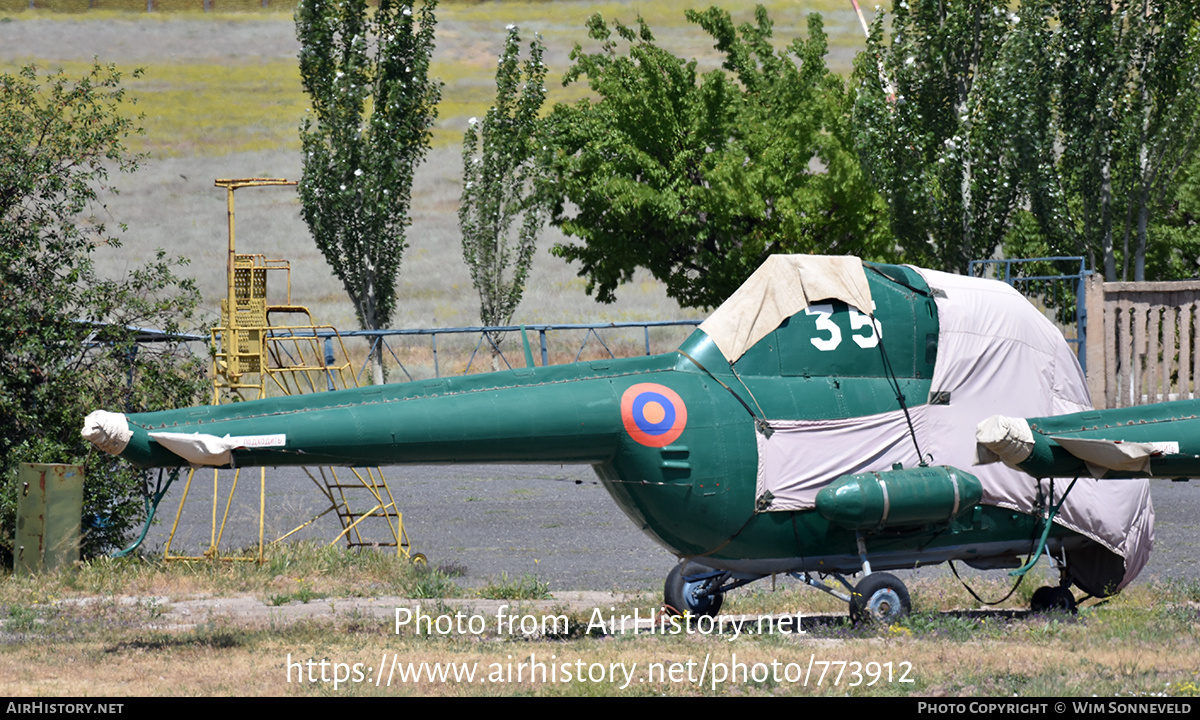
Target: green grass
[(212, 109), (300, 571), (432, 584), (216, 107), (526, 587)]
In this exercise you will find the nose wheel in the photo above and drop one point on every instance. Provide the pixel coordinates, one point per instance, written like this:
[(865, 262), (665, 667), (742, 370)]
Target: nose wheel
[(879, 597), (690, 588)]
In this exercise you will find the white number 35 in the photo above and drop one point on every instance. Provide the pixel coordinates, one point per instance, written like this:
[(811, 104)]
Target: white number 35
[(858, 321)]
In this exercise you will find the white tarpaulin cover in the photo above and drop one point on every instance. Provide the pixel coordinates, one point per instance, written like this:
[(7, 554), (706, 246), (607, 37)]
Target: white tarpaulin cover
[(1102, 455), (790, 470), (203, 449), (781, 287), (997, 355), (109, 431)]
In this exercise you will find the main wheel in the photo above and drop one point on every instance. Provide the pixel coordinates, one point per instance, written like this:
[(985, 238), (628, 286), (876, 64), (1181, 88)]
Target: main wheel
[(1048, 598), (879, 597), (682, 596)]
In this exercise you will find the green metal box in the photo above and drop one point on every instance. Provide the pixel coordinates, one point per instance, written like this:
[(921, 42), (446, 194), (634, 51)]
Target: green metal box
[(49, 508)]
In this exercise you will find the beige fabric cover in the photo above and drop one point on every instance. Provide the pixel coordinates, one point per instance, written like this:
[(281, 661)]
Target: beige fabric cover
[(1003, 438), (1103, 455), (997, 355), (201, 449), (791, 467), (108, 431), (781, 287)]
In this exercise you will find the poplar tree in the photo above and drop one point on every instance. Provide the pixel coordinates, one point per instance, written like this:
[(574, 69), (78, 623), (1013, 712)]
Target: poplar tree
[(1120, 121), (936, 115), (501, 175), (1060, 127), (373, 106)]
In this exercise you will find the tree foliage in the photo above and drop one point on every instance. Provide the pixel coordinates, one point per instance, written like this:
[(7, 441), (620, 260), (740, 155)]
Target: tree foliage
[(1119, 86), (65, 344), (699, 177), (936, 114), (501, 172), (1057, 129), (373, 104)]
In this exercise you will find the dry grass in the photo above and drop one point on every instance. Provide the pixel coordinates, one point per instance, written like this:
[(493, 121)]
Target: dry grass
[(1144, 642), (434, 286)]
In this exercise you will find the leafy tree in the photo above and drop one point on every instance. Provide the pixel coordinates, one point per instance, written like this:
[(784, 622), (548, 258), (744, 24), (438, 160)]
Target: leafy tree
[(373, 105), (1121, 110), (500, 171), (65, 349), (936, 112), (699, 177), (1174, 248), (1058, 129)]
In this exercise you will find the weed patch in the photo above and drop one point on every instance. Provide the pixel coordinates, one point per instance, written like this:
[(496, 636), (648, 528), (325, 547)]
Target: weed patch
[(432, 584), (526, 587)]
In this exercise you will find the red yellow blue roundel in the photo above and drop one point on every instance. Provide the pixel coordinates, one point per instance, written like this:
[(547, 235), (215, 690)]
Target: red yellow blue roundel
[(653, 414)]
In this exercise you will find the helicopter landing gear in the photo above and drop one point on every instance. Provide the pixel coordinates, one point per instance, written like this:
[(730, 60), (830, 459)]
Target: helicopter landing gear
[(880, 597), (690, 588), (1048, 598)]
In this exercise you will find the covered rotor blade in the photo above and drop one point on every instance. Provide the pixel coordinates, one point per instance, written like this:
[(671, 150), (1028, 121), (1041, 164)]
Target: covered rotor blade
[(1161, 440)]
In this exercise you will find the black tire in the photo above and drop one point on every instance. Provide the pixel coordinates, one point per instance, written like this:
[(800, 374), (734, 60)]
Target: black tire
[(1053, 599), (879, 597), (679, 595)]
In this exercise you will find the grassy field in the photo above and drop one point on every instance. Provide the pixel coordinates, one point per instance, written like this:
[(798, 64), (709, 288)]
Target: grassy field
[(130, 638), (221, 97)]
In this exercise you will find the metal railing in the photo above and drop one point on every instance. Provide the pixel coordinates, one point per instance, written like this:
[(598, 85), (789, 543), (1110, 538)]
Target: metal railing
[(1062, 293), (492, 338), (488, 339)]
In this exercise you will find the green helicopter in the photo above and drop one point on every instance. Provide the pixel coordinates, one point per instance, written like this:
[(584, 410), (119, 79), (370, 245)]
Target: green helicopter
[(813, 426)]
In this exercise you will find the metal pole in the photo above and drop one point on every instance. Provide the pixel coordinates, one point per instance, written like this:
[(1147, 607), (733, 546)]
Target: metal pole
[(232, 308), (1081, 322)]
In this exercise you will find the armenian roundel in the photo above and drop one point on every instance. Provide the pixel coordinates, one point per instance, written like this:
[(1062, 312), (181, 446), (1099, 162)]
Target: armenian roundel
[(654, 415)]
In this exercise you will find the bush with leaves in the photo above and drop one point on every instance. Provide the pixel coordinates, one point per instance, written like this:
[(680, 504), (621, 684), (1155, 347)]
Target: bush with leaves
[(66, 347), (699, 178), (501, 173)]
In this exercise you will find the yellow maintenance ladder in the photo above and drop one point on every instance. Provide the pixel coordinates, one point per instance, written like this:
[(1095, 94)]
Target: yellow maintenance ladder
[(256, 354)]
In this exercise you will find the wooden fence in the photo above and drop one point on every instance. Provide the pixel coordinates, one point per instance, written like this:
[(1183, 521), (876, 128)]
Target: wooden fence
[(1143, 341)]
